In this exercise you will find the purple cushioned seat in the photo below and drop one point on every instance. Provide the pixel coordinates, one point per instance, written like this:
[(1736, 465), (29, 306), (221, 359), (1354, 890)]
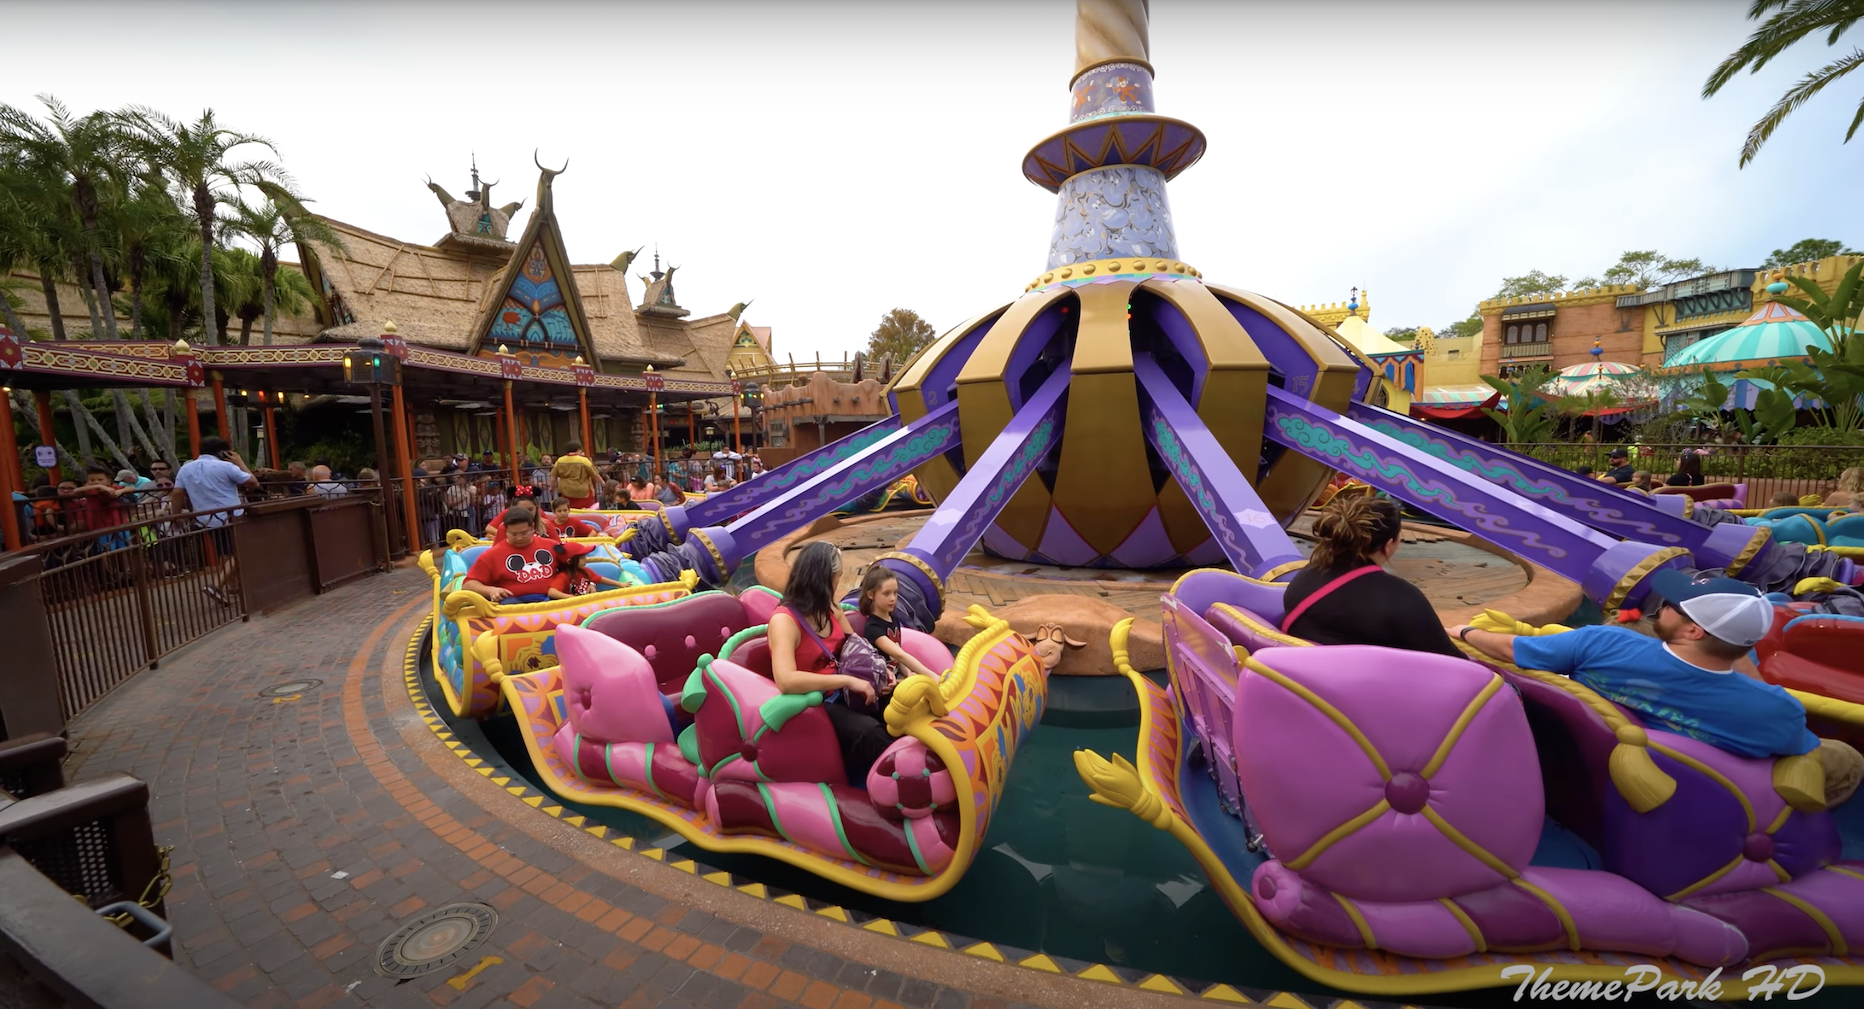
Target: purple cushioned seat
[(1724, 829), (1248, 629)]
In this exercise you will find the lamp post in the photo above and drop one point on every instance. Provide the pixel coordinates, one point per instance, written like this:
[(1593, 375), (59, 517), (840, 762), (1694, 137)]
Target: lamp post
[(370, 365), (737, 401), (271, 427), (654, 384), (753, 399), (238, 399), (582, 406)]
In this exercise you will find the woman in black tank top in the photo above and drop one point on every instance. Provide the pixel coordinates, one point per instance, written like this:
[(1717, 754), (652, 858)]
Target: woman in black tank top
[(1346, 597)]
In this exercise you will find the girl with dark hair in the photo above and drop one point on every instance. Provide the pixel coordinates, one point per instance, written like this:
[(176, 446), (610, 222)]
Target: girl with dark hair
[(880, 593), (1346, 597), (1688, 471), (806, 633)]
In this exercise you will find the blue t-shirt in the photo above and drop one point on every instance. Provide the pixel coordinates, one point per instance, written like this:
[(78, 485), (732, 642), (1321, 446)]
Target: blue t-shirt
[(211, 483), (1727, 710)]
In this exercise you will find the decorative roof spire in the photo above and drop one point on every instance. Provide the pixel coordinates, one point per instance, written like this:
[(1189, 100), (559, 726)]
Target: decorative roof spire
[(656, 274), (1109, 166)]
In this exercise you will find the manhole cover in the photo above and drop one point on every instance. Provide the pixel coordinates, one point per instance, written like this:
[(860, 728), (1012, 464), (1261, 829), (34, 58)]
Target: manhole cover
[(289, 689), (434, 940)]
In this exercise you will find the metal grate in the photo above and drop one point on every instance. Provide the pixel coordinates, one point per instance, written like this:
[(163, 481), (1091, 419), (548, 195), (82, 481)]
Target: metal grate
[(79, 861)]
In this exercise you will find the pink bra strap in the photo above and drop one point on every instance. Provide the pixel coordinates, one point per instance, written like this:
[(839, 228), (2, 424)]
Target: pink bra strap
[(1322, 593)]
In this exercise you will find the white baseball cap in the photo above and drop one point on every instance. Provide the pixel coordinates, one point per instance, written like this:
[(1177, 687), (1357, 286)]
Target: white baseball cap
[(1732, 611)]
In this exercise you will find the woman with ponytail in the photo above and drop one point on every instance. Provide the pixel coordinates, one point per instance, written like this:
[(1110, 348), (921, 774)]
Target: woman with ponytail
[(1346, 597)]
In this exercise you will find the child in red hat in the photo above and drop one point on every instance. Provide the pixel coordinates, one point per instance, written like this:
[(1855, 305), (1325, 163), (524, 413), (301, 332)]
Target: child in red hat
[(573, 571)]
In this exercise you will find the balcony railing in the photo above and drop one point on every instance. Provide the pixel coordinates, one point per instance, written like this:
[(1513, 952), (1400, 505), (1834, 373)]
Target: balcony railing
[(1519, 350)]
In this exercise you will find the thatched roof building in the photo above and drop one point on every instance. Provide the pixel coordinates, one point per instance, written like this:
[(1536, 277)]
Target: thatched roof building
[(475, 290)]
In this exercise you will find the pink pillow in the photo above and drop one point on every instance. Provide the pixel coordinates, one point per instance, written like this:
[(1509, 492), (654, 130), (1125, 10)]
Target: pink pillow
[(609, 690), (1307, 774), (739, 719)]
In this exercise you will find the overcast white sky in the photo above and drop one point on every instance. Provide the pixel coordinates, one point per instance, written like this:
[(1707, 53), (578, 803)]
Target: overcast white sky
[(835, 160)]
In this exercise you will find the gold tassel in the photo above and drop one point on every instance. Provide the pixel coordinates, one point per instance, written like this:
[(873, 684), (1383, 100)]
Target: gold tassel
[(1800, 780), (1642, 783)]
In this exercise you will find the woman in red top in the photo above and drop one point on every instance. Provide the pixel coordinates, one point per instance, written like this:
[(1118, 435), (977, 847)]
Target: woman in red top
[(809, 620)]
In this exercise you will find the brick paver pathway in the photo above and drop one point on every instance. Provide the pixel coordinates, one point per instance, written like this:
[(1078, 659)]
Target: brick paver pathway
[(306, 831)]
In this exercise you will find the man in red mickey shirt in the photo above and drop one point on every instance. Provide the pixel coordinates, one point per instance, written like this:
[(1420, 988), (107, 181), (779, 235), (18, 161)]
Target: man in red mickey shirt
[(521, 568)]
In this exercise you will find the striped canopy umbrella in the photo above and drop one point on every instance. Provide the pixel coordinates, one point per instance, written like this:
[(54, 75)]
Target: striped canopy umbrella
[(1772, 334), (1447, 402), (1627, 380)]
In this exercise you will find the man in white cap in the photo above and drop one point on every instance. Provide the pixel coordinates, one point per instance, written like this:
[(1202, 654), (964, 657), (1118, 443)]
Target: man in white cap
[(1684, 680)]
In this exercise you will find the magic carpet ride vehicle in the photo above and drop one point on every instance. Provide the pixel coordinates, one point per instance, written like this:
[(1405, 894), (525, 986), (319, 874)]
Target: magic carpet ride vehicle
[(476, 642), (1400, 823), (640, 715)]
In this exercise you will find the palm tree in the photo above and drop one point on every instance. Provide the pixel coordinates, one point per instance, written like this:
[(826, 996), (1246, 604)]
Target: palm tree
[(273, 224), (152, 234), (198, 159), (18, 237), (81, 156), (1793, 21)]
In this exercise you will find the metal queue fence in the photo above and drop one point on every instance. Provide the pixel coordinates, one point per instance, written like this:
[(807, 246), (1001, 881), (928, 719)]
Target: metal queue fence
[(118, 597)]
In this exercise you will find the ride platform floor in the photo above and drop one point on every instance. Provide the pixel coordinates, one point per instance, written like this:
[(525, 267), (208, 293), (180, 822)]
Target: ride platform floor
[(1459, 577), (307, 829)]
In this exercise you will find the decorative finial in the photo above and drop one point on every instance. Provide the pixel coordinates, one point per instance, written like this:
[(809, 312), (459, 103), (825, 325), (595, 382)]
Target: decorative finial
[(648, 368), (1779, 285), (579, 360), (181, 347), (504, 350), (1596, 350), (388, 327), (1352, 305)]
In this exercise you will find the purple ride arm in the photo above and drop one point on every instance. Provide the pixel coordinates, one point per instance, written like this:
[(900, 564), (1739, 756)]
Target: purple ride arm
[(1589, 502), (869, 469), (1599, 563), (1250, 537), (989, 484), (751, 493)]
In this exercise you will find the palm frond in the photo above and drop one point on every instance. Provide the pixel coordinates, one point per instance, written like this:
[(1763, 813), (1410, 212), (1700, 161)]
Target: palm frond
[(1797, 95), (1796, 20)]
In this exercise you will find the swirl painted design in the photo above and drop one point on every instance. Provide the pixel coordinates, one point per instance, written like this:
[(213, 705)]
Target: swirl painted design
[(1191, 478), (1369, 464), (877, 472), (959, 541), (1500, 471), (829, 457)]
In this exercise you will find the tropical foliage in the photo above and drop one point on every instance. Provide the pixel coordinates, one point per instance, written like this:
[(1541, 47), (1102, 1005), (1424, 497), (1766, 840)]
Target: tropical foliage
[(1807, 250), (1791, 22), (901, 334), (1532, 410), (142, 215), (1648, 268), (1834, 378)]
